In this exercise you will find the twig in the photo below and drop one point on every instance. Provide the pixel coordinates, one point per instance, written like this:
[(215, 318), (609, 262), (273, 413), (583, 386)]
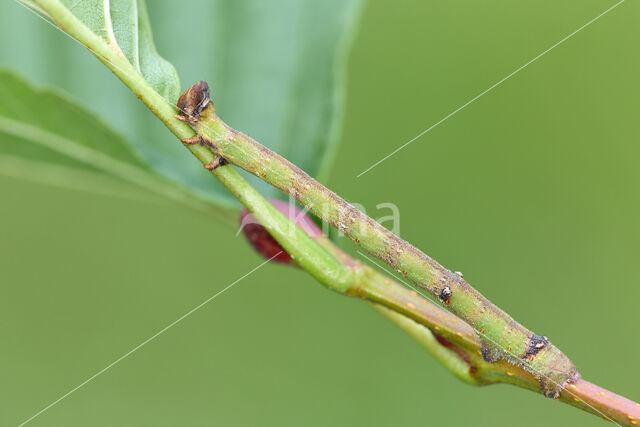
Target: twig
[(418, 316)]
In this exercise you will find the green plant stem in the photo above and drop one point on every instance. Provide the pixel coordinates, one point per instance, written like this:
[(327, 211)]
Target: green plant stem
[(472, 369), (166, 113), (312, 257), (453, 343), (445, 355), (427, 318), (112, 57)]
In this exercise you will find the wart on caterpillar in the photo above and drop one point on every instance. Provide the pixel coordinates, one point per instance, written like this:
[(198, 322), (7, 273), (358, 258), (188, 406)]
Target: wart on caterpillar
[(536, 343), (445, 294)]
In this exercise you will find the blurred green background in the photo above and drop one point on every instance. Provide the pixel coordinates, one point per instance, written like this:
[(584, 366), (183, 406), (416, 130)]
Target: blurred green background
[(532, 192)]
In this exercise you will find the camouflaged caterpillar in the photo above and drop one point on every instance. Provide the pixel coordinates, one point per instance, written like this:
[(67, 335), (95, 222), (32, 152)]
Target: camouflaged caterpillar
[(501, 336)]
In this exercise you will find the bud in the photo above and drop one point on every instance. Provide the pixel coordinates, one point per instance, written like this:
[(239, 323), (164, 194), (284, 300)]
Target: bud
[(264, 243)]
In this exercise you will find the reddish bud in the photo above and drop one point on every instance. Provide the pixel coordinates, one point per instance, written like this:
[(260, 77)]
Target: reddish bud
[(263, 242)]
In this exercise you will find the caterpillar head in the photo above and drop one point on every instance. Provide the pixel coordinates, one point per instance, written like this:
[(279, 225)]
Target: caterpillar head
[(193, 101)]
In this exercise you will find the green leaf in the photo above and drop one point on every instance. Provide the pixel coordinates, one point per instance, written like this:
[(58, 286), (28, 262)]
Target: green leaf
[(44, 126), (277, 70), (46, 137), (124, 25)]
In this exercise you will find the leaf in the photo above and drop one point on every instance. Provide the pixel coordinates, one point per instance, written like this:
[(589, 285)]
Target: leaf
[(48, 138), (44, 126), (277, 70), (124, 25)]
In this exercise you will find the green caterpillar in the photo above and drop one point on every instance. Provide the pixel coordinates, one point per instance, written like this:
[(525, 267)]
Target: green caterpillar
[(501, 336)]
